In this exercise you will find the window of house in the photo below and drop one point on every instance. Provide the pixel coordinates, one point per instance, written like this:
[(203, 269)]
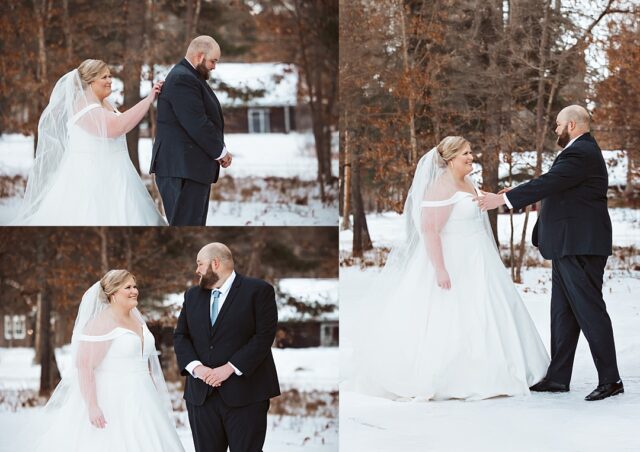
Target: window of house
[(8, 327), (259, 120), (329, 335), (15, 327), (19, 326)]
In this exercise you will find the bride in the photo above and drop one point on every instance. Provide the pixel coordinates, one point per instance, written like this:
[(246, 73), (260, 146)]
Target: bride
[(82, 174), (115, 397), (444, 320)]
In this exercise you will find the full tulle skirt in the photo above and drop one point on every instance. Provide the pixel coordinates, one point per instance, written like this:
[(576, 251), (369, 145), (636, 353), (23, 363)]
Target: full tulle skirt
[(96, 187), (137, 421), (474, 341)]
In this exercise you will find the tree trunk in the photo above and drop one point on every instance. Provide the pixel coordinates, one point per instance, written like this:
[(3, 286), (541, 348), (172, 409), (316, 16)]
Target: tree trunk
[(191, 20), (361, 238), (135, 11), (68, 35), (346, 209), (255, 266), (103, 234), (49, 374), (540, 104), (411, 111), (40, 15)]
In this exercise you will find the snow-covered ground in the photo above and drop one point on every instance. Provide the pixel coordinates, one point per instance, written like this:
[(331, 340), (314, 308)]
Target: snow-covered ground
[(314, 369), (255, 157), (539, 422)]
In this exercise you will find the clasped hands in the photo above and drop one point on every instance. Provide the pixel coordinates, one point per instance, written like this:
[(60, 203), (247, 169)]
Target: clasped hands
[(213, 377), (489, 201), (225, 161)]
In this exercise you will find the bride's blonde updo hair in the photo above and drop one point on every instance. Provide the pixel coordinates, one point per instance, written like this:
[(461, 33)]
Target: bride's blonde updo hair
[(114, 280), (450, 147), (91, 70)]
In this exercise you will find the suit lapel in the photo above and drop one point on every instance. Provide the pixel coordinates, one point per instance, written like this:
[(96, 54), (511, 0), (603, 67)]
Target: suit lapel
[(235, 287), (202, 309)]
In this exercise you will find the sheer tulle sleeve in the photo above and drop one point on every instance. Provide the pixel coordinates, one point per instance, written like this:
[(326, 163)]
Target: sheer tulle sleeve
[(436, 206), (93, 346), (101, 122)]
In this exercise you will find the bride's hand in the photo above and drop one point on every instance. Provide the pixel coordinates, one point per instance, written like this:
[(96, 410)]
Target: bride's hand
[(155, 91), (444, 282), (96, 417)]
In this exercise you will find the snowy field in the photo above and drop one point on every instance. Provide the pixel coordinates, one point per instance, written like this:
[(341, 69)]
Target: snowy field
[(256, 157), (539, 422), (301, 369)]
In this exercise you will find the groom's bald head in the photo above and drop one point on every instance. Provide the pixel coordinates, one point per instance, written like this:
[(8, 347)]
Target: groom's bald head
[(203, 54), (202, 44), (216, 250), (578, 114), (571, 122)]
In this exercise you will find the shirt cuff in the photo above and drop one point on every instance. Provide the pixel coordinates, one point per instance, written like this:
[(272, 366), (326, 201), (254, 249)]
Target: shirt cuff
[(223, 154), (235, 369), (506, 201), (191, 366)]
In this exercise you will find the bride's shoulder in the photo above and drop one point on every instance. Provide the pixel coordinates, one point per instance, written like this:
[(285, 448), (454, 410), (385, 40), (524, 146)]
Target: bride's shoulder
[(440, 190), (101, 324)]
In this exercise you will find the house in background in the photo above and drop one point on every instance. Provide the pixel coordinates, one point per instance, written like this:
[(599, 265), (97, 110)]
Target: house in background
[(307, 313), (258, 97)]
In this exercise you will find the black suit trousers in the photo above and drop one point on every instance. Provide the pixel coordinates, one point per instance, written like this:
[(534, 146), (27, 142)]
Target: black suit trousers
[(577, 305), (216, 426), (186, 202)]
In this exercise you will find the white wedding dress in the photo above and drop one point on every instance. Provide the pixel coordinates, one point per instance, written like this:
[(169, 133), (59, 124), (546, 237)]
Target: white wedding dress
[(82, 174), (137, 420), (473, 341)]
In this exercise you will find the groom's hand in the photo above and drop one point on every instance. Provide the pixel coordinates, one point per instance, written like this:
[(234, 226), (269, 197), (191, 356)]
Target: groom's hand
[(219, 375), (226, 161), (489, 201)]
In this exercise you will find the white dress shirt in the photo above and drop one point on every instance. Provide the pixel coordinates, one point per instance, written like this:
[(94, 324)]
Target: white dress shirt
[(504, 195), (224, 291), (224, 149)]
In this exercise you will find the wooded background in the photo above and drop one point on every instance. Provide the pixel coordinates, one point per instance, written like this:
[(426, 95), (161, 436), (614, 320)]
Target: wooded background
[(40, 40), (48, 269), (496, 72)]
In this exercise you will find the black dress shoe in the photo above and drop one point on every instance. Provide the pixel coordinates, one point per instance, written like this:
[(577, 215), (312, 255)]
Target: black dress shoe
[(549, 386), (606, 390)]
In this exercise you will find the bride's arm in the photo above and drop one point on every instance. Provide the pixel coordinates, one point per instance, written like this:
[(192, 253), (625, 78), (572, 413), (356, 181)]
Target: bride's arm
[(90, 354), (433, 220), (123, 123)]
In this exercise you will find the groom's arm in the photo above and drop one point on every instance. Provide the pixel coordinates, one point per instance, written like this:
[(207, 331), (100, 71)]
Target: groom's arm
[(182, 344), (251, 355), (568, 171), (188, 107)]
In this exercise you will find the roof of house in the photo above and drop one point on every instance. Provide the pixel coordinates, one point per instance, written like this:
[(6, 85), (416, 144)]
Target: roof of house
[(236, 84)]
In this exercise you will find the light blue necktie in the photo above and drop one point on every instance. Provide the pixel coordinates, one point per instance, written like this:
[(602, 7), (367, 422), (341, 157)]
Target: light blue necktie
[(215, 295)]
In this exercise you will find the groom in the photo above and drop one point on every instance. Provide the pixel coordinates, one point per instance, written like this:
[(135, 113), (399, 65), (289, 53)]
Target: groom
[(223, 344), (574, 231), (189, 148)]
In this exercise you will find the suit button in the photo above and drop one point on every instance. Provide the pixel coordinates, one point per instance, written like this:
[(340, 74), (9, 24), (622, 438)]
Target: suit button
[(211, 347)]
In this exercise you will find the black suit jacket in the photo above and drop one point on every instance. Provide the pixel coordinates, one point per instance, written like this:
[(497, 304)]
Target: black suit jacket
[(190, 131), (573, 219), (243, 334)]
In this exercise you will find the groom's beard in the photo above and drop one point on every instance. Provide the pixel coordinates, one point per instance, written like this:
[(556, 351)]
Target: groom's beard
[(209, 279), (203, 71), (564, 138)]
